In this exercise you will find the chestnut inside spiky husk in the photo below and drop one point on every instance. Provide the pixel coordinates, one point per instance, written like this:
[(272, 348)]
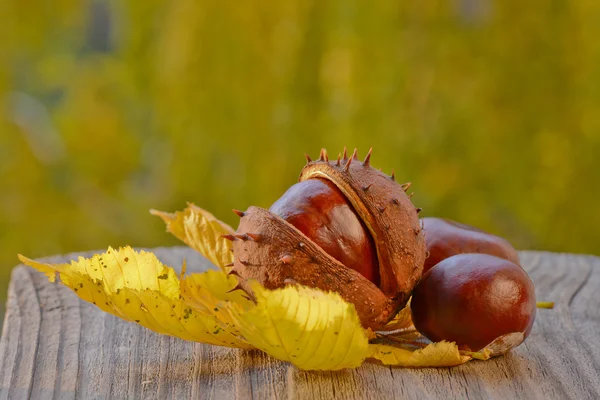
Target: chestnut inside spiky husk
[(276, 253)]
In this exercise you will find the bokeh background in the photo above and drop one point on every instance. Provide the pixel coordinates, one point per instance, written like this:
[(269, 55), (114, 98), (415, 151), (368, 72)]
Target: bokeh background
[(110, 108)]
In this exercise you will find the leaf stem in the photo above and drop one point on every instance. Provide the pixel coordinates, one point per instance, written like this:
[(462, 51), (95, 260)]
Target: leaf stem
[(404, 341), (545, 304), (397, 332)]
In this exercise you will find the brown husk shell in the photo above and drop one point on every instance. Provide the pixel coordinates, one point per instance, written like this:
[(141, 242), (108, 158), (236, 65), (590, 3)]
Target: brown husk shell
[(282, 255), (278, 254), (390, 216)]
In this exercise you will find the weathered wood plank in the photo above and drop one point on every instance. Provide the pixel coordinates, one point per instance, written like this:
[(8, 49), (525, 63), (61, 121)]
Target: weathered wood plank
[(55, 346)]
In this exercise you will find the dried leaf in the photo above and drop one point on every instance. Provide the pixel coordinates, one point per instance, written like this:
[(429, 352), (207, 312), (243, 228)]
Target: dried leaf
[(200, 230), (138, 287), (311, 329), (402, 320), (440, 354)]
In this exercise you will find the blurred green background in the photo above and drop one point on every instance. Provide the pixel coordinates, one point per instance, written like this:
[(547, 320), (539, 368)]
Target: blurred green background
[(110, 108)]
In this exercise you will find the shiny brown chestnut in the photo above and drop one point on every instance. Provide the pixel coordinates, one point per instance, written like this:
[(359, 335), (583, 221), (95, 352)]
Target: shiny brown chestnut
[(445, 238), (476, 300), (321, 211)]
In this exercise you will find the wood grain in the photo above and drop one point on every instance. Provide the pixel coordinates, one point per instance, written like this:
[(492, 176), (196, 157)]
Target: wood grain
[(55, 346)]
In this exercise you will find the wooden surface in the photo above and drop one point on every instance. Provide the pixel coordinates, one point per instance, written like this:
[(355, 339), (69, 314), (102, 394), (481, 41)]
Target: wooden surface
[(55, 346)]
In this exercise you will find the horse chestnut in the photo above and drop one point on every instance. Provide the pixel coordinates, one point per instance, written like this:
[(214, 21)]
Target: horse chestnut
[(345, 227), (445, 238), (477, 301), (321, 211)]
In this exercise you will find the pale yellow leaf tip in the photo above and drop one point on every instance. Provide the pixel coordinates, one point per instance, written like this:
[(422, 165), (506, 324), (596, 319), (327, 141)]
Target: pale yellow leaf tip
[(165, 216), (45, 268)]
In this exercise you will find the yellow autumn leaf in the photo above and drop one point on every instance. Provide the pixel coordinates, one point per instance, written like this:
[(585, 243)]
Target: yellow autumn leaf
[(439, 354), (200, 230), (137, 287), (311, 329), (202, 290), (211, 292)]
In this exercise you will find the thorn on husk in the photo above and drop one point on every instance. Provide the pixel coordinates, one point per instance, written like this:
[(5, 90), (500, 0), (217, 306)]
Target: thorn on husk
[(244, 262), (254, 236), (233, 272), (365, 188), (347, 166), (411, 195), (237, 287), (242, 236), (229, 237), (239, 213), (393, 176), (418, 209), (368, 158), (406, 185), (345, 157), (229, 265), (308, 159), (355, 154), (323, 156)]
